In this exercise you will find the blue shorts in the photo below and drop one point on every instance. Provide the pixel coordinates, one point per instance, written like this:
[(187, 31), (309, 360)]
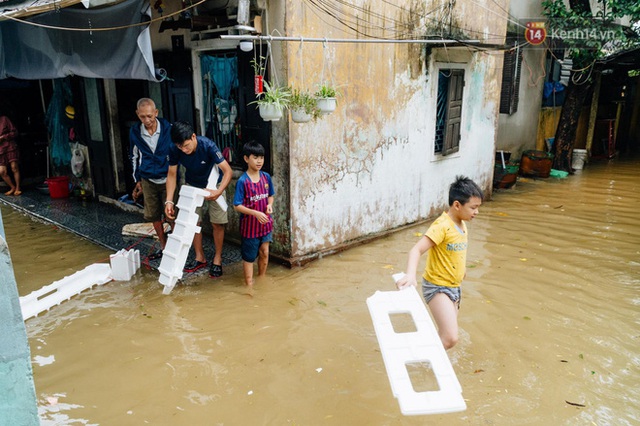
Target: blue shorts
[(429, 290), (250, 247)]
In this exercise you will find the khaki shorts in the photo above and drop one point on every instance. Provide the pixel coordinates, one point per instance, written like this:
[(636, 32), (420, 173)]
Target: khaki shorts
[(154, 197), (216, 214)]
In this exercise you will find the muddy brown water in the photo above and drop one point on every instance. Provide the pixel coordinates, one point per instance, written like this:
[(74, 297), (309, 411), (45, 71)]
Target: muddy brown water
[(549, 325)]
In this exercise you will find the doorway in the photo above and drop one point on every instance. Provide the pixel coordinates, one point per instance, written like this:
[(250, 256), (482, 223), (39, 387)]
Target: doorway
[(228, 118), (23, 101)]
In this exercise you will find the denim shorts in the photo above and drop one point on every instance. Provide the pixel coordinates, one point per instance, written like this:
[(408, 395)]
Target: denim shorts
[(429, 290), (251, 246)]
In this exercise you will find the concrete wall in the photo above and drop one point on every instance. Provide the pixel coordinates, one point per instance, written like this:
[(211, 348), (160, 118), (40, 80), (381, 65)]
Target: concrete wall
[(518, 132), (369, 167), (17, 391)]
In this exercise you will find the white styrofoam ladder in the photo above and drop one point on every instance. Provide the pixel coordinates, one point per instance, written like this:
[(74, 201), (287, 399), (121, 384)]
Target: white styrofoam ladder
[(124, 264), (57, 292), (175, 253), (421, 346)]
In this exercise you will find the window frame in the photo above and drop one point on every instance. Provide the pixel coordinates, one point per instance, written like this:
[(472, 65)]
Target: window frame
[(453, 149)]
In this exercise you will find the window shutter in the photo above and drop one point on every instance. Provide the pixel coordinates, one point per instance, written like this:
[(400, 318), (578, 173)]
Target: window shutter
[(510, 81), (454, 113)]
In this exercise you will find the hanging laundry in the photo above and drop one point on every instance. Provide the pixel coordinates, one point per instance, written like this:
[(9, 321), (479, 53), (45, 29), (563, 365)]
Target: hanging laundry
[(59, 123), (219, 78), (226, 112)]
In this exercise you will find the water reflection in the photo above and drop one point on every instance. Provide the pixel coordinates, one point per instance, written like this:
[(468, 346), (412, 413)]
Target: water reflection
[(549, 325)]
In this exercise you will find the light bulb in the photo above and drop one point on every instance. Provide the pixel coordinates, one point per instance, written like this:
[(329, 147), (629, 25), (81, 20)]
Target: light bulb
[(246, 45)]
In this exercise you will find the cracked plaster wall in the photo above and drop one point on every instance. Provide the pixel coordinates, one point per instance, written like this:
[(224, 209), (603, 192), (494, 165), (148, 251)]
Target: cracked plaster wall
[(369, 167)]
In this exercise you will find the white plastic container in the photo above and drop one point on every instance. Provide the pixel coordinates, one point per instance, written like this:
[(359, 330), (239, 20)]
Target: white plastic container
[(578, 158)]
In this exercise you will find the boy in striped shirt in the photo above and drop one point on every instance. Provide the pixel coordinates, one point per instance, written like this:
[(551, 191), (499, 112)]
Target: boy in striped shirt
[(254, 201)]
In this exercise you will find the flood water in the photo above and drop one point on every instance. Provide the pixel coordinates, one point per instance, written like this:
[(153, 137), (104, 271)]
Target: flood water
[(549, 325)]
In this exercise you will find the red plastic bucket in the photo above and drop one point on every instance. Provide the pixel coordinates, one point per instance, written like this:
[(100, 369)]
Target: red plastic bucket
[(58, 186)]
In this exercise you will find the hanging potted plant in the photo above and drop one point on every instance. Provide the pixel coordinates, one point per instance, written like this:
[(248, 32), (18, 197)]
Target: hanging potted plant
[(303, 106), (258, 71), (272, 102), (326, 98)]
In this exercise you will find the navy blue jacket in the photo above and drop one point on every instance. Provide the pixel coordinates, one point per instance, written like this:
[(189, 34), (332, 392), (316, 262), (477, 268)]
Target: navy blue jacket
[(147, 164)]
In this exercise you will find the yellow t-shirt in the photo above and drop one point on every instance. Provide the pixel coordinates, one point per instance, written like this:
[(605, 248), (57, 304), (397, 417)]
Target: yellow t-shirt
[(447, 259)]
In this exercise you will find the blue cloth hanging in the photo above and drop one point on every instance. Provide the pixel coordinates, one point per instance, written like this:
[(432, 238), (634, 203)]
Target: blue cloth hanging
[(550, 87), (58, 123), (222, 71)]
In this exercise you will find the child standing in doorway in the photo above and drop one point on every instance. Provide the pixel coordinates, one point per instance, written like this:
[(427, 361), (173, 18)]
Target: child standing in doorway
[(254, 201), (446, 240)]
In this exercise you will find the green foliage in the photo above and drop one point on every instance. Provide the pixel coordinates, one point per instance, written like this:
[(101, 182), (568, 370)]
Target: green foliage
[(259, 65), (304, 100), (590, 36), (327, 91), (280, 97)]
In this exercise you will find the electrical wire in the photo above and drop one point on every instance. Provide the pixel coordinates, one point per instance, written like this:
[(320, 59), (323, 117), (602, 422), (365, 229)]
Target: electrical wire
[(328, 9)]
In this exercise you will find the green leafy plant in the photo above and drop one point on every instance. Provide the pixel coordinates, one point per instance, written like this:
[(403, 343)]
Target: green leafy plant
[(280, 97), (306, 101), (327, 91), (258, 65)]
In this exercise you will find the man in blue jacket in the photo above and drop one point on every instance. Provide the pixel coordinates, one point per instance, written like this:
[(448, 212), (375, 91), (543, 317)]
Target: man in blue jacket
[(150, 141)]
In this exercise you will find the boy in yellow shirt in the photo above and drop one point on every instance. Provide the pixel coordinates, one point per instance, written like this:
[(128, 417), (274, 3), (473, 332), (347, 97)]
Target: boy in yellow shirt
[(446, 239)]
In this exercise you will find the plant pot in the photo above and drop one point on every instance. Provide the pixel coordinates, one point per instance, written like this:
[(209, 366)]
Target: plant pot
[(504, 177), (536, 164), (298, 115), (270, 112), (326, 105)]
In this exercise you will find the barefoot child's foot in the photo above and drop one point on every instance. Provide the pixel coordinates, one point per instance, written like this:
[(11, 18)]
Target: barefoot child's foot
[(10, 192), (17, 192)]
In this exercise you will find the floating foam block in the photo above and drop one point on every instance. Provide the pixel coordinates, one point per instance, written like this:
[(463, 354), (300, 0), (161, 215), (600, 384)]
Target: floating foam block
[(421, 346), (124, 264), (53, 294), (176, 251)]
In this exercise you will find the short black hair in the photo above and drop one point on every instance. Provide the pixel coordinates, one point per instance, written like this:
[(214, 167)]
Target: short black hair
[(253, 148), (180, 132), (463, 189)]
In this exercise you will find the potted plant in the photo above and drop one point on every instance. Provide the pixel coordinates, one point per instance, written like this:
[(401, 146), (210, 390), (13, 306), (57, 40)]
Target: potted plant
[(326, 98), (303, 106), (258, 71), (272, 102)]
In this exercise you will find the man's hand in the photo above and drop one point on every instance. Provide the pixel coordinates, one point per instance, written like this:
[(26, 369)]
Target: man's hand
[(169, 211), (213, 194), (137, 191)]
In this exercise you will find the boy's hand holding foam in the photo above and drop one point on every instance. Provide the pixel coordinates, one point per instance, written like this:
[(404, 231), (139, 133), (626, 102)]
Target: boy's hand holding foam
[(404, 281)]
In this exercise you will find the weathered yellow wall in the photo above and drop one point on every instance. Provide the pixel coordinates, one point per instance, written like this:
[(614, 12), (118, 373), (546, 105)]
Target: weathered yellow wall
[(548, 124), (369, 167)]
